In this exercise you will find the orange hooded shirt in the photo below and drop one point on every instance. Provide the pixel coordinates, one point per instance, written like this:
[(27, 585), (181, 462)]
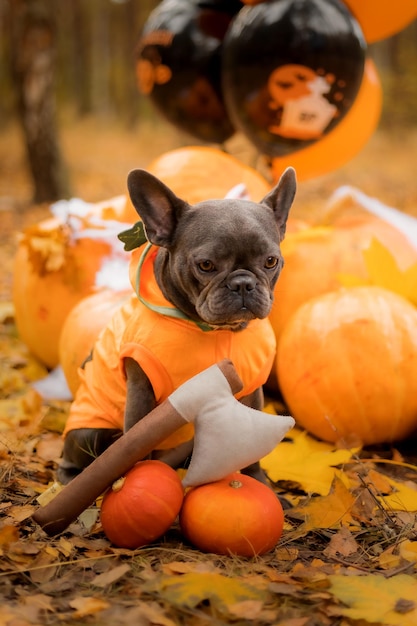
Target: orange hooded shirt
[(170, 349)]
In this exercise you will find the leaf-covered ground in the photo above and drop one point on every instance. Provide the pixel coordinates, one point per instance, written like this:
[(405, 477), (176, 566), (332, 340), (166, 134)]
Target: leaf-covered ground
[(348, 554)]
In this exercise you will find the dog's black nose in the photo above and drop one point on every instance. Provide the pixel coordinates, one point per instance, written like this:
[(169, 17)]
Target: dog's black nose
[(241, 281)]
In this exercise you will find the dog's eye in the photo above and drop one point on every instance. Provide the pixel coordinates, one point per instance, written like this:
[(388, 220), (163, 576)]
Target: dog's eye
[(271, 262), (206, 266)]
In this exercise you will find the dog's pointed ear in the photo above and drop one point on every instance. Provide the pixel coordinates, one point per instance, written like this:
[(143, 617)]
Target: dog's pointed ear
[(281, 198), (157, 206)]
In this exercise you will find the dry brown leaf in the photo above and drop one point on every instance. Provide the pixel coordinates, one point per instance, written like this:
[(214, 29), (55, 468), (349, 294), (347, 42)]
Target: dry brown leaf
[(152, 613), (111, 576), (65, 546), (343, 543), (286, 553), (387, 560), (8, 534), (90, 605), (247, 609), (44, 568), (50, 447), (184, 567), (40, 601), (20, 513), (55, 416)]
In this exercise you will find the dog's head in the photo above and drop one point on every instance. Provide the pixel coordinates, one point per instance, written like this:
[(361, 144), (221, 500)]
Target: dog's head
[(219, 260)]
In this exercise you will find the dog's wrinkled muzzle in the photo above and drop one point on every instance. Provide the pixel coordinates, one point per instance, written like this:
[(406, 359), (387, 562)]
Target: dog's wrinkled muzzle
[(241, 282)]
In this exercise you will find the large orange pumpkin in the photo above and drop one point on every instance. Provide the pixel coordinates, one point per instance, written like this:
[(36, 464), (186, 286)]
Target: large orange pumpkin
[(235, 515), (316, 259), (199, 173), (82, 327), (141, 506), (347, 366), (54, 268)]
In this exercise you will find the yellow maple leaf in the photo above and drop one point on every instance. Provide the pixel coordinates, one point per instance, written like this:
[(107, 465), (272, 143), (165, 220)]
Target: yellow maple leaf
[(195, 587), (375, 598), (408, 550), (331, 511), (383, 271), (402, 497), (304, 460)]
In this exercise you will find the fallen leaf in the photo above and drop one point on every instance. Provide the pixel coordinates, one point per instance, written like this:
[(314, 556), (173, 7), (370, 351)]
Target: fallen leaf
[(343, 543), (20, 409), (150, 614), (401, 498), (88, 606), (56, 416), (408, 550), (65, 547), (44, 568), (111, 576), (88, 518), (388, 560), (191, 589), (50, 447), (20, 513), (331, 511), (8, 534), (184, 567), (41, 601), (304, 460), (375, 598), (247, 609), (383, 271)]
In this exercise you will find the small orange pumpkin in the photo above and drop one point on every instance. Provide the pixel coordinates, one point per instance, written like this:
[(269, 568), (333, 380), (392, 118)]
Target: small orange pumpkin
[(235, 515), (142, 505), (82, 327), (347, 366)]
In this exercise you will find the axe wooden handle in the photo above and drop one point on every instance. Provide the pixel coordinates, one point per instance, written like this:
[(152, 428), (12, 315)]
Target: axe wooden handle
[(133, 446)]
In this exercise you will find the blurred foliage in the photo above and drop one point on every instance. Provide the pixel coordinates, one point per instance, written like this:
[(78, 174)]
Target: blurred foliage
[(396, 60), (95, 46)]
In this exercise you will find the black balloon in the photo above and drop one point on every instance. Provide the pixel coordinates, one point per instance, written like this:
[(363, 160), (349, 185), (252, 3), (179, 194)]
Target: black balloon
[(179, 64), (291, 71)]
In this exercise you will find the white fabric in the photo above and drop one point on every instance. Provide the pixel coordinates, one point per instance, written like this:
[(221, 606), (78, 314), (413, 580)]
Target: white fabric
[(228, 435)]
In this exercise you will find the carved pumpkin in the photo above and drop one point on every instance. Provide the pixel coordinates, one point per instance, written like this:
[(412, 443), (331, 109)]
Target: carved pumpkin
[(347, 366), (57, 263), (82, 327), (235, 515), (316, 259), (140, 507)]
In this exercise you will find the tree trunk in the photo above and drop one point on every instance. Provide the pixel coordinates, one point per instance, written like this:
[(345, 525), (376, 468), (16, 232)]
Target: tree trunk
[(33, 48)]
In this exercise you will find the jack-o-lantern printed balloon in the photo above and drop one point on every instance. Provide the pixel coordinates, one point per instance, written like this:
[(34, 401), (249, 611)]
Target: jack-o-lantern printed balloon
[(178, 64), (291, 71)]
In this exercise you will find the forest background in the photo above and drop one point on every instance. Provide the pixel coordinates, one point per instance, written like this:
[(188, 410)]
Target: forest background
[(90, 76)]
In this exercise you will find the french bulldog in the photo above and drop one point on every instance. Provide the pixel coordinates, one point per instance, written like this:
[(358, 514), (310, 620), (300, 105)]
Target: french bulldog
[(212, 268)]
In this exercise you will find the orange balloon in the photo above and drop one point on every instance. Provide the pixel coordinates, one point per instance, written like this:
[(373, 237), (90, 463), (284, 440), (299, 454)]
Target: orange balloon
[(382, 18), (345, 140)]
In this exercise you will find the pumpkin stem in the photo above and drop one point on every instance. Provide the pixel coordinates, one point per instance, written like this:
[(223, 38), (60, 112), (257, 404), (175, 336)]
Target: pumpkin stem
[(236, 484), (118, 484)]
